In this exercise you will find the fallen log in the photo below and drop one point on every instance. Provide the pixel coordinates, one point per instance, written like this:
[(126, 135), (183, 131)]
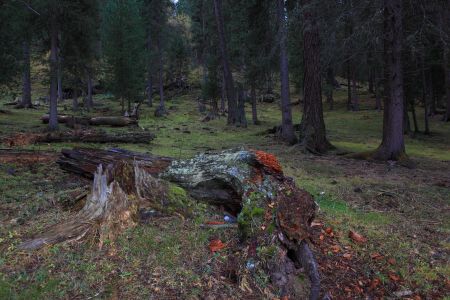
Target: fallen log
[(79, 136), (96, 137), (26, 156), (112, 121), (95, 121), (64, 119), (272, 213)]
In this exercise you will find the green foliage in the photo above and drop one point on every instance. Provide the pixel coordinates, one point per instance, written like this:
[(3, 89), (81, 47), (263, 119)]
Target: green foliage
[(251, 216), (123, 46)]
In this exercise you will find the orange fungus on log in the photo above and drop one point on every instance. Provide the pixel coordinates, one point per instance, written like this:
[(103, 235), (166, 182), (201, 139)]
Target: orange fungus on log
[(269, 161)]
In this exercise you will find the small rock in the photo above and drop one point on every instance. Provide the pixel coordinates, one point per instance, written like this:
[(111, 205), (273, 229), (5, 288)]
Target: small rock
[(358, 190), (403, 293), (11, 171)]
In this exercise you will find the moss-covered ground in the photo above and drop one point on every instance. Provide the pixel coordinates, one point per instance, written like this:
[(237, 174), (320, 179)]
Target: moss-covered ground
[(403, 213)]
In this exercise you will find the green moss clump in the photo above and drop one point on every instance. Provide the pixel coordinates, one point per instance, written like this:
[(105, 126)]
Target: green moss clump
[(251, 216)]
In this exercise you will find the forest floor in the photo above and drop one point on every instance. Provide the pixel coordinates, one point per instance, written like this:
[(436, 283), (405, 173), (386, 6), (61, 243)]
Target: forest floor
[(404, 213)]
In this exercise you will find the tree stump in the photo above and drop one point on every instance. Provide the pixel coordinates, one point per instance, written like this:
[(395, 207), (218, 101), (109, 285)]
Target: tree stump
[(272, 212)]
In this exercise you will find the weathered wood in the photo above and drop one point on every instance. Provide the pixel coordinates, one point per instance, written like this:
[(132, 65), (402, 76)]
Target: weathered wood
[(96, 137), (84, 161), (26, 156), (112, 121), (64, 119), (79, 136), (272, 212), (94, 121)]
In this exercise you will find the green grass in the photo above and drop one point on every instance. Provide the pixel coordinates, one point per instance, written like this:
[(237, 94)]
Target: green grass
[(171, 255)]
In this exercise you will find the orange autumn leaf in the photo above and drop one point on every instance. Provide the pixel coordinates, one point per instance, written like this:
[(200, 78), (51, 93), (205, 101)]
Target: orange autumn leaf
[(394, 277), (335, 248), (215, 223), (391, 261), (376, 282), (376, 256), (321, 237), (216, 245), (356, 237), (347, 255), (329, 230)]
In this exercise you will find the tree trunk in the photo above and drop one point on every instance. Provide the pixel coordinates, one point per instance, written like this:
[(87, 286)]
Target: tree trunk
[(287, 128), (406, 122), (330, 87), (254, 108), (149, 71), (312, 128), (447, 82), (26, 79), (53, 121), (75, 99), (90, 101), (349, 87), (393, 146), (161, 107), (241, 118), (223, 94), (355, 98), (425, 97), (60, 87), (413, 112), (229, 83), (378, 95)]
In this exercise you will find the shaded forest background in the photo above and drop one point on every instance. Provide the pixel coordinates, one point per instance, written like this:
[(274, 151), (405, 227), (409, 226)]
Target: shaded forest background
[(352, 96)]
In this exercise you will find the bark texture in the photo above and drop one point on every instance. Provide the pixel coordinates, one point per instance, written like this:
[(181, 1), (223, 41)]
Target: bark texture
[(287, 128), (392, 146), (250, 183), (53, 120), (94, 121), (312, 128), (26, 77), (228, 76)]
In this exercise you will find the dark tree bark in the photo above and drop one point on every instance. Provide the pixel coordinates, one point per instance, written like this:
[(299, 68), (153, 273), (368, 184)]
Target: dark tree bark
[(349, 87), (229, 83), (149, 71), (75, 99), (378, 84), (89, 100), (312, 128), (330, 87), (223, 95), (53, 121), (241, 118), (355, 97), (26, 79), (287, 127), (447, 82), (425, 96), (60, 90), (254, 108), (393, 146), (161, 107)]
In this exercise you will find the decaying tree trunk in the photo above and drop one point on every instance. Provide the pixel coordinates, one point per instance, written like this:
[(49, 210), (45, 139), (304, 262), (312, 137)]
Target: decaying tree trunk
[(271, 210), (79, 136), (112, 121), (95, 121)]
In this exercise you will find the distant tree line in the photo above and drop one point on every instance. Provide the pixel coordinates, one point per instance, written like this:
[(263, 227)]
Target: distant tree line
[(399, 49)]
